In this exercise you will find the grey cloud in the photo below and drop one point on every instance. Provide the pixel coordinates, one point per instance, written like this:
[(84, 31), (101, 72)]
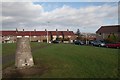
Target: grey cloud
[(33, 16)]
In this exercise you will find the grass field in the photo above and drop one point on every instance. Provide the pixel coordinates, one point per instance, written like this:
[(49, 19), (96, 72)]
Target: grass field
[(72, 61)]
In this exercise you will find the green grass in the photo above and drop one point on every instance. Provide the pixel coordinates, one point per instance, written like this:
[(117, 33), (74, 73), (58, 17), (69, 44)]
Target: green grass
[(67, 60), (0, 49), (8, 48)]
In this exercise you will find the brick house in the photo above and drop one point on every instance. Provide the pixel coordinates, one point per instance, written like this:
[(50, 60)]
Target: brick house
[(88, 36), (38, 36), (104, 31)]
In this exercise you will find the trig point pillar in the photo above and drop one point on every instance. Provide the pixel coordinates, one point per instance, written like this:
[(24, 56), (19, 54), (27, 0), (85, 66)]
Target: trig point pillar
[(23, 56)]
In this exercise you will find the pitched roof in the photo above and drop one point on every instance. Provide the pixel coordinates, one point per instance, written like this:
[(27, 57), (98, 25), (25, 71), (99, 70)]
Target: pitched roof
[(36, 33), (109, 29), (5, 33), (68, 33), (55, 32)]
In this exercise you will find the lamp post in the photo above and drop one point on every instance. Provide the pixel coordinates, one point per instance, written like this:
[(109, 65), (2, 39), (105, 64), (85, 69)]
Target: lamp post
[(30, 36), (85, 36), (47, 33)]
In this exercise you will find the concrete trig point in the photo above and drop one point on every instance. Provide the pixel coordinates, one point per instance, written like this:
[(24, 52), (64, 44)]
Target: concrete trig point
[(23, 55)]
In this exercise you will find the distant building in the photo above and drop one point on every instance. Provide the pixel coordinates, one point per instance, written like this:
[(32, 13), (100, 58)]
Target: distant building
[(38, 36), (89, 36), (105, 31)]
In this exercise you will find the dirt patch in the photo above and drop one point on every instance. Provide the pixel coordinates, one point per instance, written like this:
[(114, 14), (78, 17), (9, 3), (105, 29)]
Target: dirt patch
[(26, 72)]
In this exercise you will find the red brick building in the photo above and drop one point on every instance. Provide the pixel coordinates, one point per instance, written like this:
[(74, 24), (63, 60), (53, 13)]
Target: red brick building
[(38, 36), (104, 31)]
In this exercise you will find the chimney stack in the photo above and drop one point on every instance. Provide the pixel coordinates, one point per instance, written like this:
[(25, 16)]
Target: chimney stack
[(67, 30), (56, 29), (57, 33), (45, 29), (16, 30), (34, 29)]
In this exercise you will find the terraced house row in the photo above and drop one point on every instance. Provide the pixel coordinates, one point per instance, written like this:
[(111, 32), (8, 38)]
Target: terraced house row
[(37, 36), (103, 33)]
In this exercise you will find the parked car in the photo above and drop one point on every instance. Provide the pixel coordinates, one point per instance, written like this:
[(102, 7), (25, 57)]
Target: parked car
[(56, 41), (91, 42), (78, 42), (113, 45), (98, 43)]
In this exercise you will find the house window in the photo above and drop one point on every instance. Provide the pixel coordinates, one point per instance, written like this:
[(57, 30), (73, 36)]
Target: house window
[(69, 36), (19, 36), (60, 36), (26, 36), (34, 36), (100, 34)]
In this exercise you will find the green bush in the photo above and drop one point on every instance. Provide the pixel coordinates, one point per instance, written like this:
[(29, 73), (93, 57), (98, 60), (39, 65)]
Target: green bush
[(112, 38)]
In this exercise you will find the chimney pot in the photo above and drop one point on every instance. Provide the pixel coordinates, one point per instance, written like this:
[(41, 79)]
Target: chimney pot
[(45, 29), (67, 29), (56, 29), (34, 29), (16, 30)]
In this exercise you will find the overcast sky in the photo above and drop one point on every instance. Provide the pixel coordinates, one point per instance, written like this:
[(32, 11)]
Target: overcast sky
[(86, 16)]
